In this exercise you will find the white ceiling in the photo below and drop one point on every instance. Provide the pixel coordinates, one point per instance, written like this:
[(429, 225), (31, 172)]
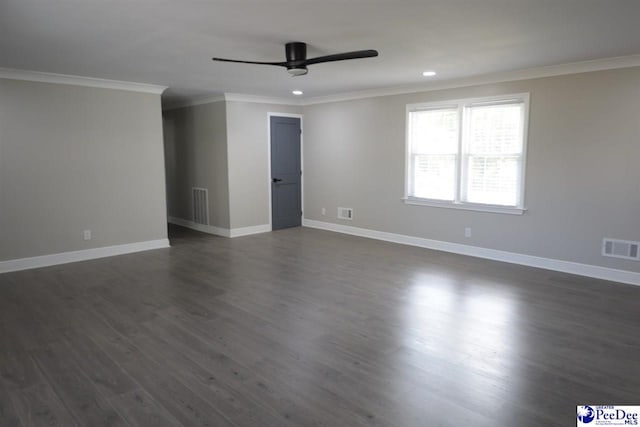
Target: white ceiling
[(171, 42)]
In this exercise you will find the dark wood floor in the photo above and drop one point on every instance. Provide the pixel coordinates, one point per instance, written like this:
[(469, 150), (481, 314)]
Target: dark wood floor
[(303, 327)]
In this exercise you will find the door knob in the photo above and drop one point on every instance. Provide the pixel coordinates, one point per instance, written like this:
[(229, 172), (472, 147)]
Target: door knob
[(276, 180)]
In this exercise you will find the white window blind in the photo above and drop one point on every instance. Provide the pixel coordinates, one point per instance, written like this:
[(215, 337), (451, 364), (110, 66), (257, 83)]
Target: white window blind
[(493, 154), (434, 153), (467, 152)]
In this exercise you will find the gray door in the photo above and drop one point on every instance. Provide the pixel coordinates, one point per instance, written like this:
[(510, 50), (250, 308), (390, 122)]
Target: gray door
[(286, 174)]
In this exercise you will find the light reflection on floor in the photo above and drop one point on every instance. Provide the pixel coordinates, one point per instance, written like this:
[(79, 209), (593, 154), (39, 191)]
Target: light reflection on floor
[(464, 330)]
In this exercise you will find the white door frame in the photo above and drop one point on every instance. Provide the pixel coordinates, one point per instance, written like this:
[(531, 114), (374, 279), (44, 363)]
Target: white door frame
[(296, 116)]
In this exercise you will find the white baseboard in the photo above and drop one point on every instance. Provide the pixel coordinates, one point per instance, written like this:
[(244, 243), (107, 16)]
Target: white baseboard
[(246, 231), (83, 255), (209, 229), (218, 231), (594, 271)]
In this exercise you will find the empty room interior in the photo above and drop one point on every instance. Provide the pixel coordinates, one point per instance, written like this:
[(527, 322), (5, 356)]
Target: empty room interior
[(319, 213)]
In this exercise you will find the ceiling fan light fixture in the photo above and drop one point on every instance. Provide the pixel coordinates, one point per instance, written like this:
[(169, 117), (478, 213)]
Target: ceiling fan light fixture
[(297, 71)]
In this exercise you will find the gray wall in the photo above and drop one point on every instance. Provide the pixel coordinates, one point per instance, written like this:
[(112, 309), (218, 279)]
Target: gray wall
[(75, 158), (582, 183), (248, 161), (196, 156)]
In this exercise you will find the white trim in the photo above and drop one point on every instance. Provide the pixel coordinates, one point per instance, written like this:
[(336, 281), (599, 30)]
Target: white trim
[(209, 229), (237, 97), (246, 231), (64, 79), (507, 98), (292, 115), (82, 255), (219, 231), (506, 76), (257, 99), (193, 102), (464, 206), (295, 116), (594, 271)]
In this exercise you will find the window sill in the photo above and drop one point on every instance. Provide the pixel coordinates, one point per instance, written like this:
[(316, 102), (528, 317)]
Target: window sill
[(464, 206)]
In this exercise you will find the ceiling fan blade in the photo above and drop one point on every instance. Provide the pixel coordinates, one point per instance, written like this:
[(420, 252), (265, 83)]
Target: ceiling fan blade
[(280, 64), (339, 57)]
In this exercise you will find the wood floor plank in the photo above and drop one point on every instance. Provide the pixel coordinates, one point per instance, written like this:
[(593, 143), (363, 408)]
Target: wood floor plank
[(17, 370), (108, 328), (8, 414), (207, 382), (108, 378), (40, 406), (182, 402), (74, 388), (202, 380), (205, 347), (179, 400), (141, 410)]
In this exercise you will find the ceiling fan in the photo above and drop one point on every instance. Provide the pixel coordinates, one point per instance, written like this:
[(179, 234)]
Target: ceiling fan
[(296, 54)]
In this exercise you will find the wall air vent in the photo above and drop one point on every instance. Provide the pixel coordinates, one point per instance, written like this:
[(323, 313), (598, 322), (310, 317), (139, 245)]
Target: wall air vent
[(201, 206), (621, 249), (345, 213)]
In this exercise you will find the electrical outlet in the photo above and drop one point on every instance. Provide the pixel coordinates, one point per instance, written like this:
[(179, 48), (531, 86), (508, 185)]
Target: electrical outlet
[(467, 232), (324, 211), (87, 234)]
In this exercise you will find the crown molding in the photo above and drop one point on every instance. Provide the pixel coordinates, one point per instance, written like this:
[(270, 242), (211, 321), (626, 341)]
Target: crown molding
[(261, 99), (231, 97), (64, 79), (193, 102), (507, 76)]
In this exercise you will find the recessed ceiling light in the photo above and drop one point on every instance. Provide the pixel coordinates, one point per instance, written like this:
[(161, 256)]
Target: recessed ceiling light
[(297, 92), (429, 73)]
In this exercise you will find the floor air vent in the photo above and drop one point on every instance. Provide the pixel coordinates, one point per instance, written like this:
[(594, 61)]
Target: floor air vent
[(621, 249), (201, 206)]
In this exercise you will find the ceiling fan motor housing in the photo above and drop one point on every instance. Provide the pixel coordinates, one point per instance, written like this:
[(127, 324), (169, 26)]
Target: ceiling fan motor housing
[(296, 51)]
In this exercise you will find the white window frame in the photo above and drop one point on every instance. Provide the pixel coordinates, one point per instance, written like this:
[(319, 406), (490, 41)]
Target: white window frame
[(461, 105)]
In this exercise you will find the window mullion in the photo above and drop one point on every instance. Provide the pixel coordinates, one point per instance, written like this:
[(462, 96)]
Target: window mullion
[(460, 156)]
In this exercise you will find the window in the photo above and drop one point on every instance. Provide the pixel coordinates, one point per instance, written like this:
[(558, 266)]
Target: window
[(468, 154)]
